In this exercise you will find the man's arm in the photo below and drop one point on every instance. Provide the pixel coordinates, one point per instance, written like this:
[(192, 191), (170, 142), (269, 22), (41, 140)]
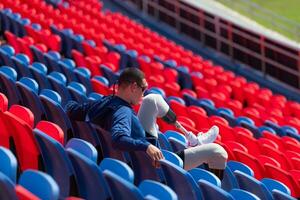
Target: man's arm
[(121, 132), (76, 111)]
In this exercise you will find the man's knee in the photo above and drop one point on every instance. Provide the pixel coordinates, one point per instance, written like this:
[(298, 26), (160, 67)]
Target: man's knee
[(219, 151)]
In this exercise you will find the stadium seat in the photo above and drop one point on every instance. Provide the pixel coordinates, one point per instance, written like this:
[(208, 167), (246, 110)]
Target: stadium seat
[(84, 148), (35, 180), (202, 174), (57, 163), (157, 190), (211, 191), (9, 164), (120, 188), (28, 90), (252, 185), (180, 181), (117, 167), (7, 188), (91, 183)]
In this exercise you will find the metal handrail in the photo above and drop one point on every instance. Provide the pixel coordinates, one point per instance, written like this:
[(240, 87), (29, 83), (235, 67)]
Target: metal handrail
[(284, 24), (258, 39)]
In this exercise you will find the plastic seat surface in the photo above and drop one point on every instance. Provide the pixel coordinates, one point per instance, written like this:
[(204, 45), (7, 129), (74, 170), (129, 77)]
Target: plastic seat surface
[(91, 183)]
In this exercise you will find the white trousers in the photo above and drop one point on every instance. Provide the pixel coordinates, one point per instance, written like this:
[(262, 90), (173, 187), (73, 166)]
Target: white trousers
[(153, 107)]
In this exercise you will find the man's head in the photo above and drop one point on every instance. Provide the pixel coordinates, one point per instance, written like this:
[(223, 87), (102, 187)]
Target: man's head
[(132, 85)]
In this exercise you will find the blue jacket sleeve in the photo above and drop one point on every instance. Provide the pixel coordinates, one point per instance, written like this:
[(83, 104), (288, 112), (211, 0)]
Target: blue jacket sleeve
[(121, 132), (76, 111)]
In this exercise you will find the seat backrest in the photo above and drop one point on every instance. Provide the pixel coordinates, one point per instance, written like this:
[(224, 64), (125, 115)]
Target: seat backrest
[(143, 167), (176, 135), (234, 165), (56, 161), (252, 185), (120, 188), (106, 144), (7, 188), (177, 145), (8, 76), (211, 191), (83, 147), (242, 194), (272, 184), (56, 114), (118, 167), (35, 180), (164, 142), (202, 174), (8, 164), (24, 194), (278, 195), (173, 158), (91, 183), (180, 181), (157, 190), (25, 145)]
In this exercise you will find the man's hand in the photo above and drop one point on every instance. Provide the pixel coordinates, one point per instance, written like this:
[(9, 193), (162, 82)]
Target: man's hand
[(155, 154)]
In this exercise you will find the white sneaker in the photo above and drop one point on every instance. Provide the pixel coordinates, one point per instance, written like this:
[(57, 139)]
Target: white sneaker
[(192, 139), (208, 137)]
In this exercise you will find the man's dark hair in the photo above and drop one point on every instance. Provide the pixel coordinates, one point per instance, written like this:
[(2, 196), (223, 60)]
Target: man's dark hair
[(131, 75)]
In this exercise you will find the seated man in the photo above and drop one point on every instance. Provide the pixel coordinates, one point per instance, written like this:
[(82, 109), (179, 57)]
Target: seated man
[(129, 132)]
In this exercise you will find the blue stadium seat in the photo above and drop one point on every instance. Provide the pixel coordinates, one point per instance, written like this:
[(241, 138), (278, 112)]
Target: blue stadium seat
[(8, 164), (180, 181), (91, 183), (28, 90), (229, 181), (95, 96), (157, 190), (109, 74), (234, 165), (58, 82), (202, 174), (21, 66), (278, 195), (8, 77), (208, 106), (83, 76), (120, 188), (184, 77), (173, 158), (272, 184), (67, 67), (5, 56), (87, 132), (211, 191), (77, 92), (118, 167), (40, 184), (164, 142), (57, 163), (176, 145), (7, 187), (242, 194), (143, 167), (106, 144), (252, 185), (39, 73), (176, 135), (38, 55), (51, 59), (83, 147), (55, 113)]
